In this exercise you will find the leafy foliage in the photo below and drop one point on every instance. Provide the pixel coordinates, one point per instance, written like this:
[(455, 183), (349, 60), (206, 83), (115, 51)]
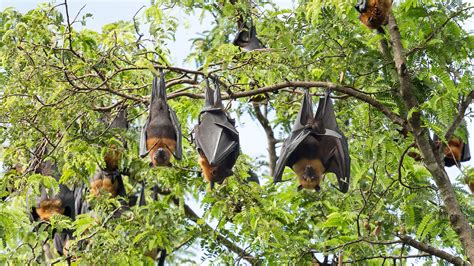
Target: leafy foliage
[(58, 84)]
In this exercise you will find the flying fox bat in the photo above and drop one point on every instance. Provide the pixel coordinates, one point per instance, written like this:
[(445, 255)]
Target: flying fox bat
[(315, 146), (455, 152), (47, 204), (216, 139), (62, 203), (110, 178), (161, 134), (374, 13), (247, 36)]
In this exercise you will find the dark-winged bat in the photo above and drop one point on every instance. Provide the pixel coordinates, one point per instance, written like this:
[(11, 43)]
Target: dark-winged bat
[(315, 146), (161, 134), (216, 138)]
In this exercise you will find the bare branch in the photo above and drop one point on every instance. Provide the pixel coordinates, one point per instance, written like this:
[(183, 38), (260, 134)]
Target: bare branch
[(433, 251), (263, 120)]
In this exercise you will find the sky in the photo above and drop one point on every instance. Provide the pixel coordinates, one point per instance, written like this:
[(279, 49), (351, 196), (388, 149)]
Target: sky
[(253, 140)]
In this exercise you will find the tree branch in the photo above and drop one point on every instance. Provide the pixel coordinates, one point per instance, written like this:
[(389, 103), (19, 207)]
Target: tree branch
[(387, 257), (263, 120), (433, 251), (427, 148), (190, 214), (460, 117), (309, 84)]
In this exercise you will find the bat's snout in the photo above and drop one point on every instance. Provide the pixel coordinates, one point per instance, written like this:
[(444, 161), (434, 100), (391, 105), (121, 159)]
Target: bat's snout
[(309, 173), (162, 157)]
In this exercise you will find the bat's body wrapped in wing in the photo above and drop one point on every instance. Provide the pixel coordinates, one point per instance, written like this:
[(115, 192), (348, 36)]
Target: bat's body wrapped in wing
[(246, 38), (161, 134), (315, 146), (216, 138), (456, 151)]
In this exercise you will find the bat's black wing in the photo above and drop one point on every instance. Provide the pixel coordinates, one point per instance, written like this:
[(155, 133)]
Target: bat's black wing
[(120, 120), (143, 149), (68, 200), (216, 136), (299, 132), (466, 154), (247, 37), (60, 241), (178, 153), (215, 133), (81, 205), (340, 162)]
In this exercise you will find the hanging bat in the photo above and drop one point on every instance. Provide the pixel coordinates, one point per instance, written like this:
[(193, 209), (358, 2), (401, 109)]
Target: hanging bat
[(247, 36), (161, 134), (315, 146), (110, 178), (62, 203), (374, 13), (47, 204), (455, 152), (216, 139)]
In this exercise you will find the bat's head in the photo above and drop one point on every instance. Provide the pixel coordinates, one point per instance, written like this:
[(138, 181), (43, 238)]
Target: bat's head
[(310, 174), (243, 37), (161, 157), (369, 20)]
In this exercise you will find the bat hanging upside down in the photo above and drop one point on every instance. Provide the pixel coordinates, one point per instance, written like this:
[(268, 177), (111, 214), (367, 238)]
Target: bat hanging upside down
[(374, 13), (315, 146), (455, 152), (62, 203), (216, 138), (110, 178), (161, 134)]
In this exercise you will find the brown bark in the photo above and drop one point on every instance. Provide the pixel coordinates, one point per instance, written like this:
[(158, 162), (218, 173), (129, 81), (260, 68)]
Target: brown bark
[(427, 148), (272, 157), (433, 251)]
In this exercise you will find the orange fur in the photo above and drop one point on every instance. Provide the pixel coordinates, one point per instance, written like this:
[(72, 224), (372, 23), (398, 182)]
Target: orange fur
[(105, 184), (112, 157), (299, 169), (153, 144), (49, 207), (376, 14), (206, 168), (454, 149)]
